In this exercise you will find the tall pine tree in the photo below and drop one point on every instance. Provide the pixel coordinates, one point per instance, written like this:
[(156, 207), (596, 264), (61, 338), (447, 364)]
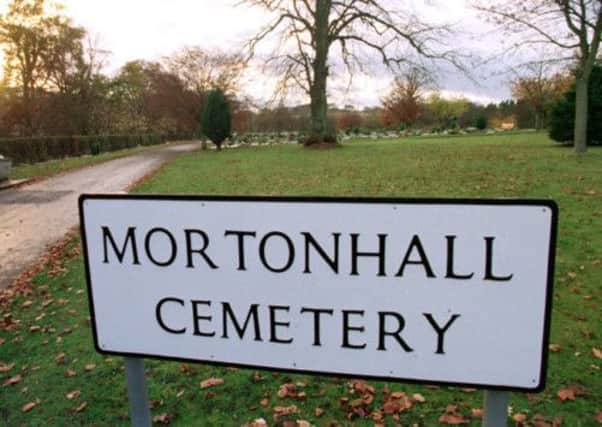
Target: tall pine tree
[(216, 123)]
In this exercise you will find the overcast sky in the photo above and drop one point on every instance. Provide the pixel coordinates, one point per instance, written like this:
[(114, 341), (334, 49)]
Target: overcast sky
[(151, 29)]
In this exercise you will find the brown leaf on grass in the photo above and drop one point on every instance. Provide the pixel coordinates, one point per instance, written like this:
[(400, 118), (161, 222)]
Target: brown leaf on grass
[(259, 422), (361, 387), (572, 391), (566, 394), (554, 348), (476, 413), (264, 402), (211, 382), (164, 418), (28, 406), (70, 373), (281, 411), (303, 423), (80, 407), (73, 394), (452, 416), (5, 368), (519, 417), (2, 340), (26, 303), (287, 390), (540, 421), (34, 328), (13, 380), (60, 358), (318, 412), (417, 397), (397, 402), (90, 367), (598, 417), (185, 369), (597, 353)]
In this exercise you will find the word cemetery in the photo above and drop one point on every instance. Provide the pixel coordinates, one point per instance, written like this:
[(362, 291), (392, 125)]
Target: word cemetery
[(434, 291)]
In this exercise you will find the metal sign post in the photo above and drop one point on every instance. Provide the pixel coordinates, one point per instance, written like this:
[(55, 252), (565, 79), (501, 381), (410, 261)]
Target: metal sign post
[(496, 408), (137, 394)]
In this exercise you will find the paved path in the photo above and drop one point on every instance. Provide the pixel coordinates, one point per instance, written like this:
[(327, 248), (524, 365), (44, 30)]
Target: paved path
[(37, 215)]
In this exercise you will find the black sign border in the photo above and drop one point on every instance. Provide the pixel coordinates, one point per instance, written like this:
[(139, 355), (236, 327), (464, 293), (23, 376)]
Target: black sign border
[(551, 204)]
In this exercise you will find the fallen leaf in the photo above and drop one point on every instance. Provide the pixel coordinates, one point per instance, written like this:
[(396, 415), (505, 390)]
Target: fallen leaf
[(318, 412), (452, 416), (70, 373), (211, 382), (80, 407), (2, 340), (554, 348), (264, 402), (34, 328), (566, 394), (73, 395), (259, 422), (598, 417), (90, 367), (418, 397), (597, 353), (303, 423), (164, 418), (453, 419), (287, 390), (60, 358), (519, 417), (5, 368), (28, 406), (476, 413), (13, 380), (280, 411)]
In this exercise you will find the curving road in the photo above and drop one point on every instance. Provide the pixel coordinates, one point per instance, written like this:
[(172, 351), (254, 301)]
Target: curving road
[(35, 216)]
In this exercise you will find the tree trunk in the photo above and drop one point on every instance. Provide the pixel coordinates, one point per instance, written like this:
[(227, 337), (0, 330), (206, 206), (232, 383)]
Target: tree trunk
[(319, 101), (581, 112)]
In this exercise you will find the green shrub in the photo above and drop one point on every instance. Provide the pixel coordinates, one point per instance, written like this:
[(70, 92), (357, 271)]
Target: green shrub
[(481, 122), (562, 118), (217, 118)]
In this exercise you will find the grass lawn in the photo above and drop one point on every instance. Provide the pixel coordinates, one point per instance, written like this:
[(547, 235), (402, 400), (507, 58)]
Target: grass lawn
[(46, 349), (53, 167)]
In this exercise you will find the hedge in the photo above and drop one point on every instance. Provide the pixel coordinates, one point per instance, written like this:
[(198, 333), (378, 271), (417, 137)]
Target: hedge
[(40, 149)]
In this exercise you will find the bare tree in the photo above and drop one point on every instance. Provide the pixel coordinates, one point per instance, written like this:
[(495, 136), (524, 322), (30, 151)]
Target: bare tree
[(203, 70), (572, 28), (310, 32), (538, 88)]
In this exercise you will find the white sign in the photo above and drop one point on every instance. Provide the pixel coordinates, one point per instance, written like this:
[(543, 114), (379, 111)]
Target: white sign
[(438, 291)]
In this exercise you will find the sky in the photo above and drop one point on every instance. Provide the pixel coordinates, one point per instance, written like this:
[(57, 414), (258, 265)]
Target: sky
[(152, 29)]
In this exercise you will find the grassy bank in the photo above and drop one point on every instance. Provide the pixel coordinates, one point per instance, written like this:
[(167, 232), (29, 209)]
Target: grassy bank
[(49, 364), (53, 167)]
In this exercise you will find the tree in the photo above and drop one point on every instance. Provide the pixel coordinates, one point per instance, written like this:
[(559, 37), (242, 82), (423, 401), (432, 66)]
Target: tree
[(402, 104), (202, 71), (540, 91), (217, 118), (572, 28), (446, 111), (311, 31), (563, 112)]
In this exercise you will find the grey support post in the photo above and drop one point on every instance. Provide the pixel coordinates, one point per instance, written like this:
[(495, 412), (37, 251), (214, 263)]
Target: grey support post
[(496, 408), (137, 394)]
